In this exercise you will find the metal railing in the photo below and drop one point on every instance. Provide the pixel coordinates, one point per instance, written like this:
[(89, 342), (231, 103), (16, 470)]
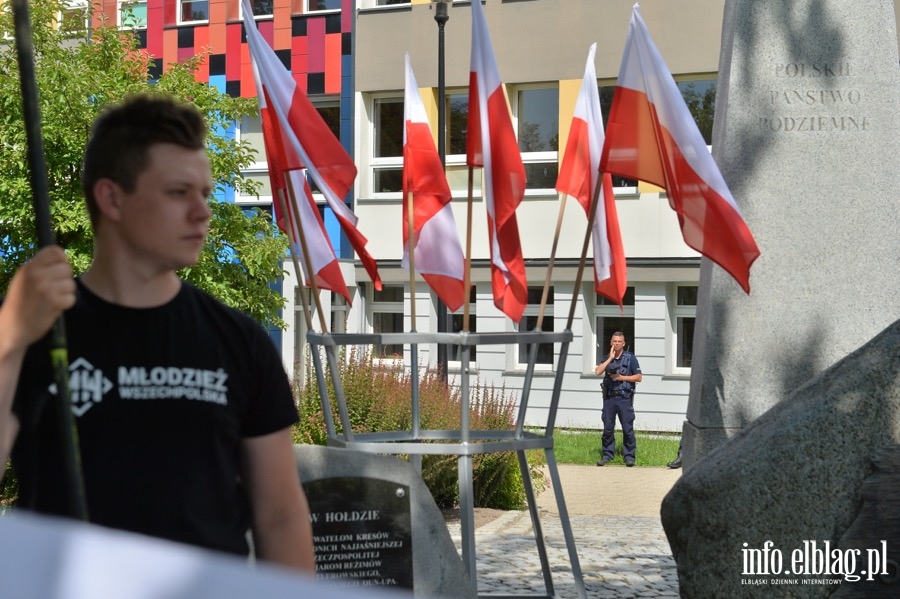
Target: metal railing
[(464, 442)]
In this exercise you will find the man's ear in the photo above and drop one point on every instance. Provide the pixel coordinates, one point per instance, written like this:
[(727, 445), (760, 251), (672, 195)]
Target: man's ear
[(108, 196)]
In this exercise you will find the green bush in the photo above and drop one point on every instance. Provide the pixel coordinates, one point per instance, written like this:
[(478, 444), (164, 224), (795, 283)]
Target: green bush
[(378, 398), (9, 488)]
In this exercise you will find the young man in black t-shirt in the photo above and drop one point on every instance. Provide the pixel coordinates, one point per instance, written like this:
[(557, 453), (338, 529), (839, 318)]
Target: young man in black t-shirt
[(182, 406)]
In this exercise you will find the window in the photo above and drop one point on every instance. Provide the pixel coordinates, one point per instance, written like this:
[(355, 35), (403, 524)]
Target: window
[(330, 111), (251, 133), (133, 14), (538, 133), (608, 319), (700, 97), (262, 8), (455, 325), (684, 316), (338, 313), (193, 10), (387, 149), (75, 18), (387, 317), (317, 5), (457, 113), (529, 322), (457, 125), (390, 2)]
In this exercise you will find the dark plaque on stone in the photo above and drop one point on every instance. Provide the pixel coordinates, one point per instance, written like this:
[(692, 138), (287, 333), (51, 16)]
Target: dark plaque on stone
[(361, 531)]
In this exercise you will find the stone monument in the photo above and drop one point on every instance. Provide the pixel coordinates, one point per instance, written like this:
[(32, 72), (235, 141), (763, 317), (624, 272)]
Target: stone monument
[(802, 502), (376, 525), (807, 136)]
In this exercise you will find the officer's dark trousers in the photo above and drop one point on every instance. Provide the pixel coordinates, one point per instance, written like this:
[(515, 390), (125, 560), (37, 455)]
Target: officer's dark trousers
[(624, 407)]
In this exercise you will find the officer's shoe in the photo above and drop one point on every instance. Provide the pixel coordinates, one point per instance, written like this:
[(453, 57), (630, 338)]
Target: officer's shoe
[(676, 463), (604, 461), (629, 462)]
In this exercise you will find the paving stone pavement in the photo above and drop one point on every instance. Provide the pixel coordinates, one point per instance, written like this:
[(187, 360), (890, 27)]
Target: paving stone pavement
[(622, 549)]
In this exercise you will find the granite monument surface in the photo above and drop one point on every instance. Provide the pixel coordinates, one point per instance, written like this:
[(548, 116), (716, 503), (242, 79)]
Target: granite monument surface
[(807, 136)]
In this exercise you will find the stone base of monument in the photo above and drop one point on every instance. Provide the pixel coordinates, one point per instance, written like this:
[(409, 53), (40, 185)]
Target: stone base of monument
[(774, 506), (375, 524), (875, 533)]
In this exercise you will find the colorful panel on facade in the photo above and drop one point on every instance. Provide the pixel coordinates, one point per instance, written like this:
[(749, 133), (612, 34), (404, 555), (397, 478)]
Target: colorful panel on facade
[(311, 46)]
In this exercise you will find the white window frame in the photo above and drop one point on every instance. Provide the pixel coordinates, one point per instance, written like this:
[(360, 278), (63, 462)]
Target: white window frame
[(544, 157), (514, 365), (340, 311), (610, 310), (378, 307), (378, 4), (308, 8), (677, 312), (260, 169), (377, 163), (456, 365), (456, 163), (255, 16), (121, 4), (74, 5), (331, 101), (261, 166), (182, 21)]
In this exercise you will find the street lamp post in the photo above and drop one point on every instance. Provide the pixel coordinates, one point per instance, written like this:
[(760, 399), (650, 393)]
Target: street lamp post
[(441, 16)]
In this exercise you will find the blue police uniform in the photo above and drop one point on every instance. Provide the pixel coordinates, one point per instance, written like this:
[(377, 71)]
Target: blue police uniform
[(618, 398)]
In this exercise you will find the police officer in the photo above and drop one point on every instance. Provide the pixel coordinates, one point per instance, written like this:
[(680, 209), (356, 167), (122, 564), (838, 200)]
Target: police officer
[(621, 372)]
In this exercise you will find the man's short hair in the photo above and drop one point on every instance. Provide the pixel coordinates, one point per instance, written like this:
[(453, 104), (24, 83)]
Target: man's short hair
[(617, 334), (123, 134)]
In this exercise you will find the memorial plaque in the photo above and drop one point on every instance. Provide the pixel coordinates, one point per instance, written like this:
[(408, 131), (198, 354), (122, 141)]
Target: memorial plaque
[(362, 531)]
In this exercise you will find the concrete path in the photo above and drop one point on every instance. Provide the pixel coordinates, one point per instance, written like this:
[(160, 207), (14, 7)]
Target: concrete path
[(622, 549)]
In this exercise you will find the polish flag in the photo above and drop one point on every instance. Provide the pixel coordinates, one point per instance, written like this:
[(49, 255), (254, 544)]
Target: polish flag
[(309, 138), (492, 144), (438, 252), (323, 262), (652, 136), (579, 177)]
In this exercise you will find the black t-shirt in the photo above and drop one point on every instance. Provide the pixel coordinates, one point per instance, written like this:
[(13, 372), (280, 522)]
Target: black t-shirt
[(162, 398)]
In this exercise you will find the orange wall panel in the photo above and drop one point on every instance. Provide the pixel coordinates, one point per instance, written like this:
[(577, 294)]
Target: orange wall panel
[(333, 63), (170, 47)]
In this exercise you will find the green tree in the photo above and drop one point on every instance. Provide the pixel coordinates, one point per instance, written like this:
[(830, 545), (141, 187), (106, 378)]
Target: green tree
[(80, 71)]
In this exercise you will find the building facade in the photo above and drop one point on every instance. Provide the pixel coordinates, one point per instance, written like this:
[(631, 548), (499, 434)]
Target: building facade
[(348, 55), (540, 48)]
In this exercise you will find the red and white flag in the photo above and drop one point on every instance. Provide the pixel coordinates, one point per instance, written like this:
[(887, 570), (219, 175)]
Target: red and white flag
[(491, 143), (323, 262), (579, 177), (651, 136), (438, 252), (309, 138)]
